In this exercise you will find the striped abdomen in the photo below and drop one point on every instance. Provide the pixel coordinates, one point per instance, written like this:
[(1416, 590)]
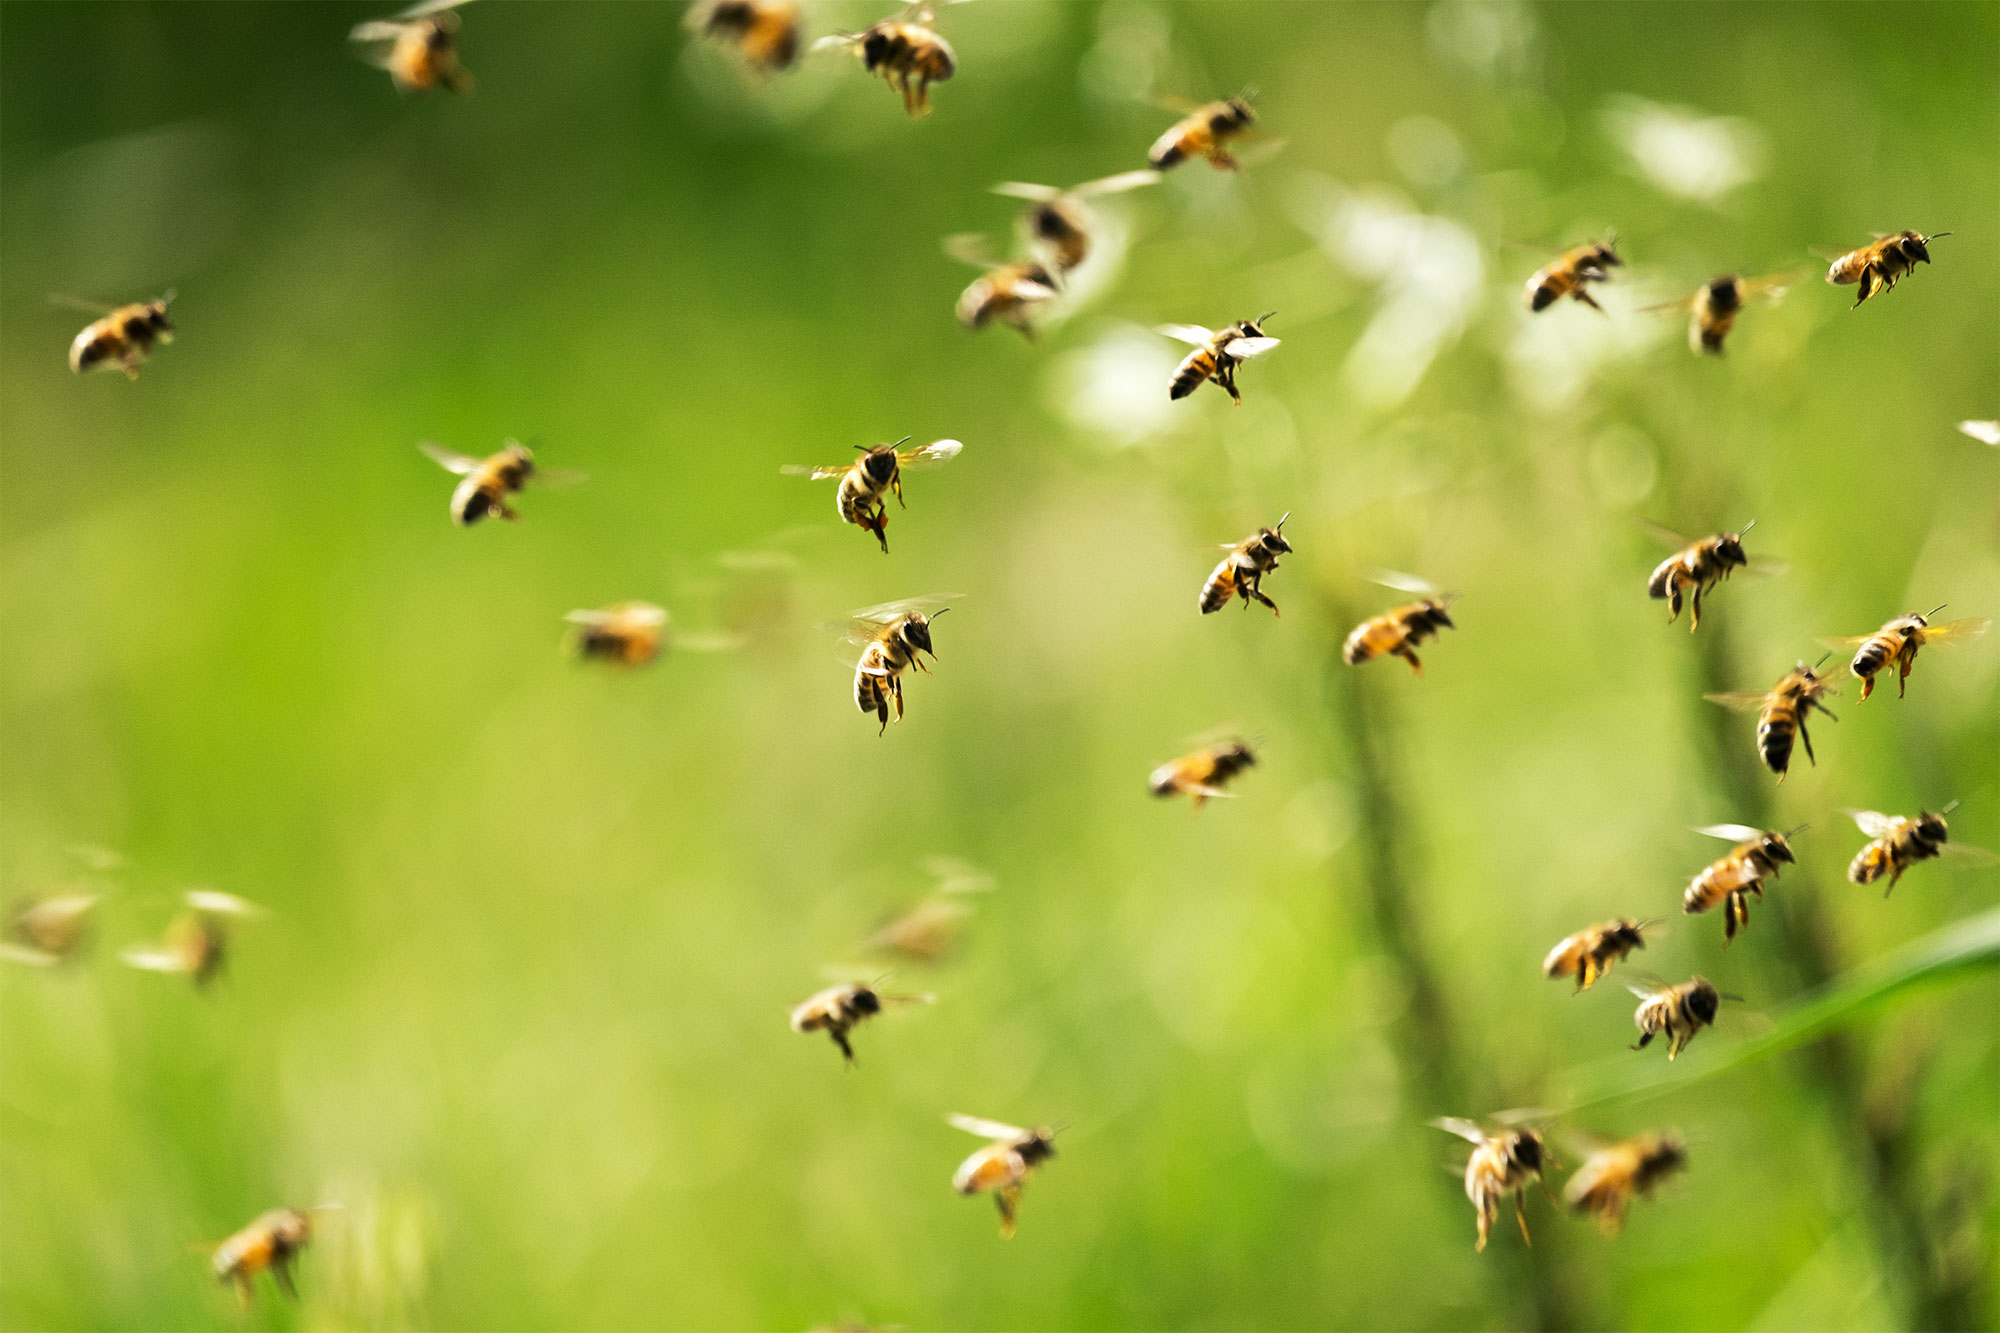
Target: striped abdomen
[(858, 496), (1777, 729), (1199, 365), (1880, 649)]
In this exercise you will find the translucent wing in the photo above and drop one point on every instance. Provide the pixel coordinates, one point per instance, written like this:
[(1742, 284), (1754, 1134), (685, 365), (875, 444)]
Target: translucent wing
[(1830, 253), (815, 473), (971, 247), (560, 477), (1846, 642), (154, 960), (427, 7), (1741, 701), (1986, 432), (935, 454), (1041, 194), (450, 459), (1119, 184), (1968, 857), (1261, 149), (1773, 285), (1029, 290), (832, 40), (1465, 1129), (1401, 582), (707, 643), (887, 611), (985, 1129), (1666, 536), (956, 876), (1731, 832), (1873, 822), (1242, 349), (376, 31), (1957, 631), (1187, 333), (1670, 307), (1763, 567)]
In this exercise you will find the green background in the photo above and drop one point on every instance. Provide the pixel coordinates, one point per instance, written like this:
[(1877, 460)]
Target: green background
[(520, 999)]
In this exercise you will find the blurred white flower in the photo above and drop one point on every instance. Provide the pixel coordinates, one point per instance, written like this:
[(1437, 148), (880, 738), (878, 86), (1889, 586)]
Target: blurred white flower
[(1684, 153), (1116, 388)]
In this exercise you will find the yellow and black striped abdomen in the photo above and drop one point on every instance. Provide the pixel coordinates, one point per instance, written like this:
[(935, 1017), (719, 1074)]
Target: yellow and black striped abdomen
[(1222, 584), (1777, 731), (1198, 366)]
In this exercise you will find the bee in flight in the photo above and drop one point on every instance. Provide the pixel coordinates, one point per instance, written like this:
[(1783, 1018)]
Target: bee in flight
[(1003, 1165), (123, 338), (1716, 304), (838, 1010), (489, 481), (928, 929), (893, 638), (1594, 950), (269, 1244), (627, 633), (1241, 573), (1012, 293), (764, 32), (1678, 1011), (1216, 354), (1898, 842), (1695, 568), (1203, 773), (865, 484), (1057, 223), (1504, 1161), (1571, 275), (419, 47), (197, 941), (1613, 1174), (905, 51), (1396, 633), (47, 929), (1897, 642), (1881, 264), (1731, 879), (1781, 714), (1205, 131)]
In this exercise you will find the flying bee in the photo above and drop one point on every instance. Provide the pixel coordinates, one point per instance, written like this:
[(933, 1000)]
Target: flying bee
[(1503, 1162), (1572, 273), (270, 1243), (1713, 309), (1594, 950), (1696, 567), (865, 483), (838, 1010), (1731, 879), (197, 941), (123, 338), (1058, 225), (1003, 1165), (1900, 841), (893, 638), (1011, 293), (1881, 264), (419, 47), (627, 633), (905, 51), (764, 32), (1897, 642), (47, 929), (1205, 131), (1202, 774), (1397, 632), (928, 929), (1216, 354), (1781, 714), (1678, 1011), (1242, 571), (487, 482), (1613, 1175)]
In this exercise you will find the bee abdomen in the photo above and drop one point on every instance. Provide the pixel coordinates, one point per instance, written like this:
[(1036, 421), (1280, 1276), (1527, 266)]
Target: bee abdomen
[(1874, 655), (1776, 732), (1221, 586), (1192, 372), (1868, 864)]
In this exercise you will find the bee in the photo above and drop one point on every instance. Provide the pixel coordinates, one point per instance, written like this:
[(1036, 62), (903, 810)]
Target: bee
[(419, 47), (1216, 354), (1678, 1011), (1202, 774), (1781, 713), (1899, 842), (838, 1010), (1881, 264), (1897, 642), (1731, 879), (1396, 633), (864, 483), (197, 941), (123, 338), (1503, 1162), (48, 929), (271, 1242), (1011, 293), (1572, 273), (1003, 1165), (893, 638), (1592, 951), (627, 633), (928, 929), (1058, 225), (1613, 1175), (1986, 432), (1695, 568), (1205, 131), (489, 481), (909, 56), (1242, 571), (1716, 304), (764, 32)]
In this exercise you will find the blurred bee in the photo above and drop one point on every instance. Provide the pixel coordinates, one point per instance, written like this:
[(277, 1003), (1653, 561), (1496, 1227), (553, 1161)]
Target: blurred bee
[(1899, 842), (764, 32), (489, 481), (48, 929), (1897, 642), (1571, 275), (197, 941), (1614, 1174), (1593, 951), (1058, 225), (893, 637), (270, 1243), (1396, 633), (419, 47), (1011, 293), (627, 633), (838, 1010), (927, 930), (123, 338), (904, 50), (1242, 571), (1205, 131), (1202, 774), (1696, 567), (864, 483), (1678, 1011), (1716, 304), (1731, 879), (1781, 714), (1216, 354), (1986, 432), (1503, 1162), (1881, 264), (1003, 1165)]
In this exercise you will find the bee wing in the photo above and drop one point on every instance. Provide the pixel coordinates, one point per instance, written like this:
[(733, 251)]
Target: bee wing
[(1741, 701), (1666, 536), (1830, 253), (1119, 184), (1242, 349), (1957, 631), (956, 876), (588, 616), (78, 304), (216, 903), (559, 477), (1845, 642), (101, 859), (923, 998), (1986, 432), (427, 7), (985, 1129), (1763, 567), (149, 959), (1772, 286), (1731, 832), (971, 247), (815, 473), (832, 40), (1401, 582), (1465, 1129), (1670, 307), (450, 459), (1523, 1115), (887, 611), (707, 643), (935, 454), (1261, 149), (1969, 857), (1872, 822), (1187, 333), (1041, 194), (375, 32), (21, 953), (1178, 105)]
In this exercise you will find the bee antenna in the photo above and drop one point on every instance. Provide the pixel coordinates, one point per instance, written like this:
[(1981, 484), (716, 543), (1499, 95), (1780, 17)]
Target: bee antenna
[(935, 614), (167, 297), (1822, 659), (1268, 314), (1949, 808), (1934, 235), (1250, 95), (1281, 522), (1794, 832), (1934, 610), (1746, 528), (904, 440)]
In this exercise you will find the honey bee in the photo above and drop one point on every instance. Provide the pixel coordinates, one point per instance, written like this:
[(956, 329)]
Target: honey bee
[(1613, 1175), (928, 929), (1205, 131), (197, 941), (1503, 1162), (764, 32), (1897, 642), (1011, 293), (1881, 264), (893, 638), (1696, 567), (1572, 273), (865, 483), (1716, 304), (838, 1010), (1678, 1011), (1781, 714), (627, 633), (1899, 842), (909, 56), (1216, 354), (1058, 225), (419, 47), (1592, 951), (123, 338), (489, 481), (1396, 633), (48, 929), (1731, 879), (1003, 1165), (1202, 774), (270, 1243), (1241, 573)]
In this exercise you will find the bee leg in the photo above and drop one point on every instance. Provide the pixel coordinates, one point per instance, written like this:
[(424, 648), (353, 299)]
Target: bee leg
[(1005, 1199), (1582, 293), (840, 1040), (243, 1288), (1867, 287), (1221, 160), (1521, 1216), (1806, 736), (1868, 688), (1416, 666), (282, 1271), (1645, 1039), (1901, 679), (1694, 610), (882, 710), (897, 690)]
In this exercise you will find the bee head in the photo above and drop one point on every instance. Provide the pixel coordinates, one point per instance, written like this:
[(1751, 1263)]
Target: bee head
[(156, 314), (1704, 1002), (1435, 611), (1254, 328), (729, 16), (1932, 828), (865, 1000), (291, 1229), (1273, 539), (1605, 252), (1776, 846), (917, 632), (1916, 246), (880, 463), (1039, 1146), (439, 31), (1524, 1149), (1240, 752)]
